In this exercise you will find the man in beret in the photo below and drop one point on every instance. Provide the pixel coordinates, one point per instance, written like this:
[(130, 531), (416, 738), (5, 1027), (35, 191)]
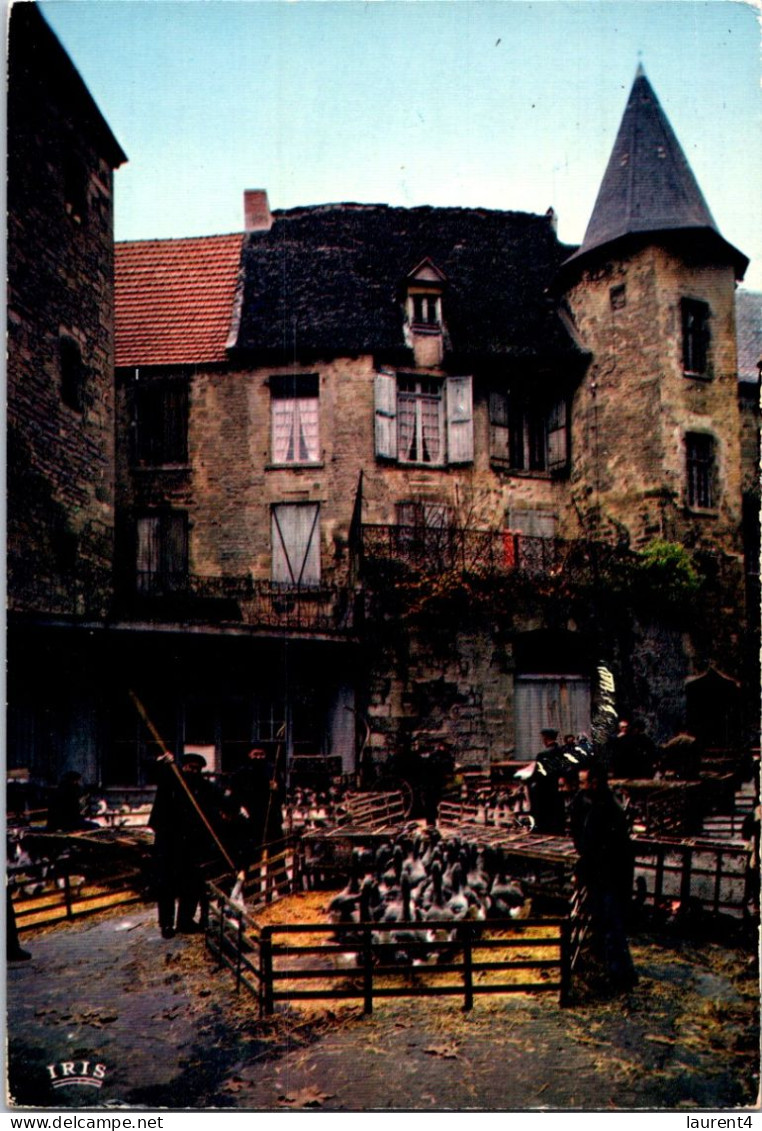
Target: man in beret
[(182, 842)]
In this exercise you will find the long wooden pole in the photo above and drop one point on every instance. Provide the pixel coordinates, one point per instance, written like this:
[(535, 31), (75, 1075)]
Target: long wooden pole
[(199, 812)]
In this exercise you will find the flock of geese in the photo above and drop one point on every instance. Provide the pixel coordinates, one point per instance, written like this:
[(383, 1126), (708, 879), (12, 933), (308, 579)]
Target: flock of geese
[(418, 892)]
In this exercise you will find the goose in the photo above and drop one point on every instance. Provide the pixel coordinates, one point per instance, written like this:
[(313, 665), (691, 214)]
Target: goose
[(506, 897), (343, 904)]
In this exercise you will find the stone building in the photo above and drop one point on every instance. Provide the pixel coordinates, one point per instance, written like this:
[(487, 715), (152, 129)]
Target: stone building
[(361, 476), (60, 402), (385, 473)]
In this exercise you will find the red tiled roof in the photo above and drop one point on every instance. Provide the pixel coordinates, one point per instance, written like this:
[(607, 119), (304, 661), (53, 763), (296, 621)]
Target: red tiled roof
[(174, 299)]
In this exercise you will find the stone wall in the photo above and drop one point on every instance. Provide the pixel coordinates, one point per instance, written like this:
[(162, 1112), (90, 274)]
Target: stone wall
[(60, 280)]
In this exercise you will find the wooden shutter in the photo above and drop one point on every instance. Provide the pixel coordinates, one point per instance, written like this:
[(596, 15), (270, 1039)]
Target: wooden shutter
[(175, 548), (460, 420), (499, 443), (558, 436), (296, 544), (386, 415)]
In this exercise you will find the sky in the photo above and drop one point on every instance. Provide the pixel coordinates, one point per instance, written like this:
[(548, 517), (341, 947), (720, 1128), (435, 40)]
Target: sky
[(478, 103)]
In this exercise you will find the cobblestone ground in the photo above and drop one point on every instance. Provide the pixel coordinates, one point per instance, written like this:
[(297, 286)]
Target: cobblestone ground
[(173, 1034)]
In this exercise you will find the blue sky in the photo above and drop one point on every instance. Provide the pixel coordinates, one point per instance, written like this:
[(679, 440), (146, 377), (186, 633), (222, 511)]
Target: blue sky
[(493, 103)]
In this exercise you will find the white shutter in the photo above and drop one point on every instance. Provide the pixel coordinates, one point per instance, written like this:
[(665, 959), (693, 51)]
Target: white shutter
[(558, 436), (296, 544), (386, 415), (460, 420)]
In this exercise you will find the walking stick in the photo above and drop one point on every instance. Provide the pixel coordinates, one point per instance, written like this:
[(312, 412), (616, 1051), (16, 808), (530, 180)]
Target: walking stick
[(199, 812), (273, 780)]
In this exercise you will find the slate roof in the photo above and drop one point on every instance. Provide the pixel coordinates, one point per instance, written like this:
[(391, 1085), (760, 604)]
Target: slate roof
[(749, 334), (174, 299), (648, 186), (39, 67), (330, 279)]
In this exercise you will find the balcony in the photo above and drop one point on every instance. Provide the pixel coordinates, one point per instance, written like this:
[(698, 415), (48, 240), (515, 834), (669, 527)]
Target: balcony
[(233, 600), (484, 553)]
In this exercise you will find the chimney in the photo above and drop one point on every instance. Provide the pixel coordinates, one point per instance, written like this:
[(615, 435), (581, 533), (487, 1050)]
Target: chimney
[(256, 211)]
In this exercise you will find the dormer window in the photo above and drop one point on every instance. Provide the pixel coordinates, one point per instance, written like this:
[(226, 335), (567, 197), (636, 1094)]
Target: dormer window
[(426, 311), (425, 284)]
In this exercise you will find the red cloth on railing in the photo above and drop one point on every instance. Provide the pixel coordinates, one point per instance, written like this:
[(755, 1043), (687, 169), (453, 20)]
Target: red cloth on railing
[(510, 549)]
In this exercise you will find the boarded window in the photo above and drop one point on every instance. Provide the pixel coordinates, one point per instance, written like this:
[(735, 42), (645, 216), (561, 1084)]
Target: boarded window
[(295, 418), (532, 541), (558, 701), (162, 552), (161, 423), (296, 544)]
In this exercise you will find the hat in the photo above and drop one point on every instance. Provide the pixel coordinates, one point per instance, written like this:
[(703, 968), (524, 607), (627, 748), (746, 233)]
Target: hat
[(549, 732), (193, 760)]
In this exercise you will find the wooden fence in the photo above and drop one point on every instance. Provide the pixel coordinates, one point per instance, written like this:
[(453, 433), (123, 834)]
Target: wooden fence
[(365, 962)]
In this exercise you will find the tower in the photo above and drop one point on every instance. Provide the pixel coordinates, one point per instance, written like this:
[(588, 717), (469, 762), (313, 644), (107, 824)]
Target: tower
[(651, 290)]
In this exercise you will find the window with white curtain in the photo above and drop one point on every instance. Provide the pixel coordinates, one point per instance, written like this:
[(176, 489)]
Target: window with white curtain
[(295, 418), (424, 420)]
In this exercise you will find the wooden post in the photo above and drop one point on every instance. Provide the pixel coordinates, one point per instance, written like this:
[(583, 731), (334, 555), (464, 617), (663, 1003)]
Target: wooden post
[(67, 895), (468, 983), (565, 988), (221, 906), (239, 946), (367, 973), (266, 970), (685, 879)]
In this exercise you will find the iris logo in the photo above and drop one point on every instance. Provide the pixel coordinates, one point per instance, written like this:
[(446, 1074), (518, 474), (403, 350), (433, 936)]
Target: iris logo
[(83, 1073)]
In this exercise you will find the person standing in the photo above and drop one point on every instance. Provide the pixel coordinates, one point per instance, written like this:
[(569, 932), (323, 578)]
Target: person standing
[(182, 842), (65, 808), (604, 871), (546, 804), (256, 788)]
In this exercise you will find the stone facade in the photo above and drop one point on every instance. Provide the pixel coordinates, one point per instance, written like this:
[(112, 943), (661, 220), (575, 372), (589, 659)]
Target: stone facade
[(60, 404), (61, 158)]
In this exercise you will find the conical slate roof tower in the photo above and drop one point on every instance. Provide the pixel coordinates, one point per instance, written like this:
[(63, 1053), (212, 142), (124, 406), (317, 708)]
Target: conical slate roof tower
[(648, 187)]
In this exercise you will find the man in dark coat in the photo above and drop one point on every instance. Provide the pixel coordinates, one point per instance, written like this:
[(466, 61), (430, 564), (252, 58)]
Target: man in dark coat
[(257, 790), (605, 871), (546, 803), (182, 843), (65, 808)]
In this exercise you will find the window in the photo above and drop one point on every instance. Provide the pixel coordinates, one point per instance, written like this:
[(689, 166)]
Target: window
[(424, 420), (161, 423), (75, 187), (529, 433), (426, 532), (295, 436), (700, 468), (426, 311), (618, 297), (162, 552), (530, 541), (296, 544), (695, 318), (72, 374)]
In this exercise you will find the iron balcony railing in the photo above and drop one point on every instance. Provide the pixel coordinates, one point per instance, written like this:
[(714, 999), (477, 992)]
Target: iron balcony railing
[(264, 604), (433, 549)]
